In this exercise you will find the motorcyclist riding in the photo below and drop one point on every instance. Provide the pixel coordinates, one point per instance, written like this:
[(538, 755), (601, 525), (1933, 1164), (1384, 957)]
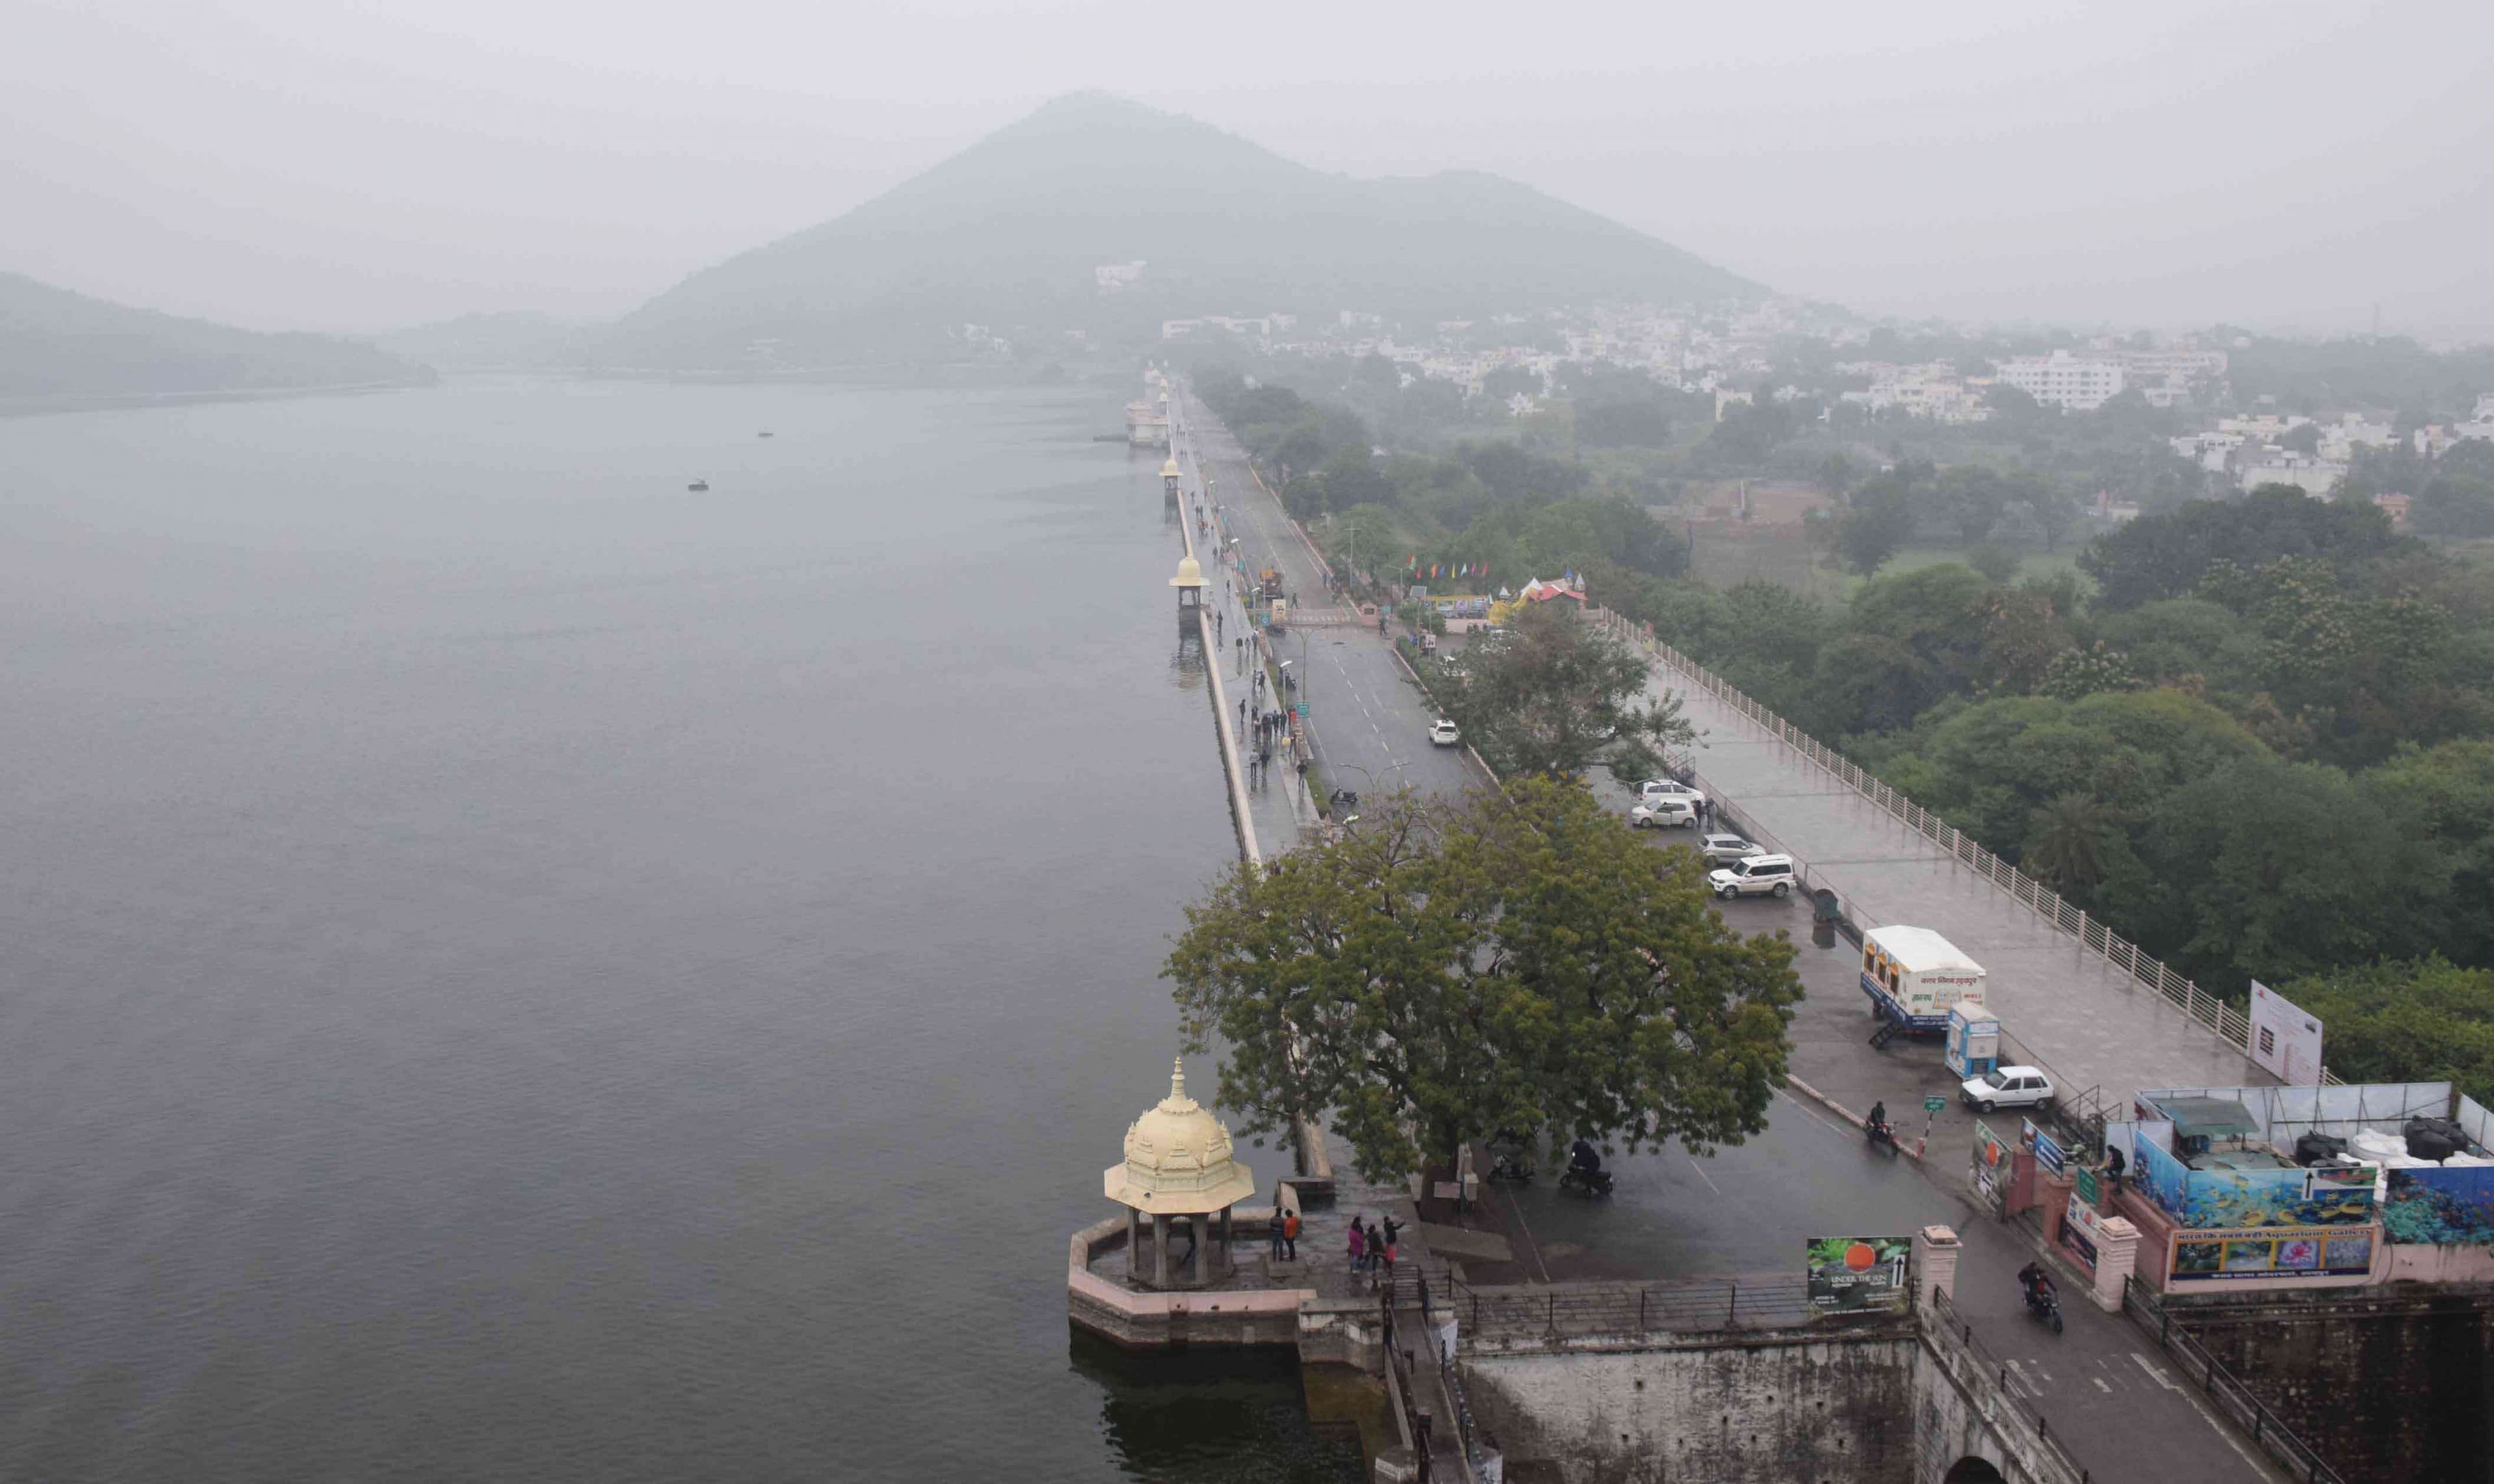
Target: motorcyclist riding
[(2034, 1283), (1880, 1115), (1583, 1159)]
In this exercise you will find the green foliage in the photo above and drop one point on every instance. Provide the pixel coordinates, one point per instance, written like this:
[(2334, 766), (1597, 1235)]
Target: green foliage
[(1556, 696), (1880, 522), (2406, 1020), (2166, 556), (1515, 959)]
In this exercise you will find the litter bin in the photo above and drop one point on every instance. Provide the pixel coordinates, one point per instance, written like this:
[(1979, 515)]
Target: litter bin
[(1823, 917)]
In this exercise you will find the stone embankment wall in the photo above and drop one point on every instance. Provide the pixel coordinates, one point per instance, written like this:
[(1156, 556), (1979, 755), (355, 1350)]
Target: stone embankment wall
[(1840, 1409), (2389, 1387)]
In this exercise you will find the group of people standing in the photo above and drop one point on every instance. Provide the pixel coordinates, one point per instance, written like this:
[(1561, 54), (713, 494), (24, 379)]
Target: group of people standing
[(1373, 1249)]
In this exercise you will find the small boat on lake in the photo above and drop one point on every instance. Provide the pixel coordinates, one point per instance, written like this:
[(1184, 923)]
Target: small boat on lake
[(699, 486), (765, 433)]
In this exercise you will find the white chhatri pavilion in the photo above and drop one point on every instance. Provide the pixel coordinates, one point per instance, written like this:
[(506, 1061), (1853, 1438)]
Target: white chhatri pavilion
[(1177, 1165)]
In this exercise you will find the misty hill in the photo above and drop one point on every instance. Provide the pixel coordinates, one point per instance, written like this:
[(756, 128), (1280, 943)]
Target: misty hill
[(1007, 234), (502, 339), (56, 344)]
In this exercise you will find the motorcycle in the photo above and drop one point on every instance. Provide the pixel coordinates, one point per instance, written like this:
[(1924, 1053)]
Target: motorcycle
[(2045, 1306), (1879, 1134), (1586, 1183), (1511, 1155), (1344, 798)]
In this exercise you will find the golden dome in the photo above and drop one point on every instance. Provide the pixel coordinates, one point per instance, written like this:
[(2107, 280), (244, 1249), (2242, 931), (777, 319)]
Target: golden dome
[(1169, 470), (1178, 1159), (1190, 573)]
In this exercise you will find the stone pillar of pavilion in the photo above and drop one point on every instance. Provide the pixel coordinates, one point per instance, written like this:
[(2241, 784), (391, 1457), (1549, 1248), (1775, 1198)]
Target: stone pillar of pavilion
[(1178, 1167)]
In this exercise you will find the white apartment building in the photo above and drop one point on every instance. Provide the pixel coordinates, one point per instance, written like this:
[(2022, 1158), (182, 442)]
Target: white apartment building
[(2315, 477), (2075, 384)]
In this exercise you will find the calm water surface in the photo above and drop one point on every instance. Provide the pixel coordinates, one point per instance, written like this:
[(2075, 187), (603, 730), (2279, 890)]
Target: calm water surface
[(509, 968)]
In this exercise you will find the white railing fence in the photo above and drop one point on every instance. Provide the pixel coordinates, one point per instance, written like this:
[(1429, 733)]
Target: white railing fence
[(2209, 1010)]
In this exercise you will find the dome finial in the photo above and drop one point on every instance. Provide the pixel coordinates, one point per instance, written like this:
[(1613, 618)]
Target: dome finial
[(1177, 1079)]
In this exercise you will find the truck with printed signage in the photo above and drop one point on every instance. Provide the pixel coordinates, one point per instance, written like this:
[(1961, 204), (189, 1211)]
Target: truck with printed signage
[(1914, 978)]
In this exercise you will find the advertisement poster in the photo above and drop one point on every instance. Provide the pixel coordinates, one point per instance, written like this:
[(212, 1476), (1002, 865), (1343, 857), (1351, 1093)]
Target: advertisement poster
[(1859, 1274), (2048, 1150), (2079, 1232), (1991, 1162), (2273, 1251), (2283, 1038)]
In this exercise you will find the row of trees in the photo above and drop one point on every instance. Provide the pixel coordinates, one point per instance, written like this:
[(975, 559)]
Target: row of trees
[(2260, 748), (1487, 503)]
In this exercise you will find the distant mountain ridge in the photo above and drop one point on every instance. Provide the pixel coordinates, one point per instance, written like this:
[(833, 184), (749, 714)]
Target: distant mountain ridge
[(57, 344), (1009, 232)]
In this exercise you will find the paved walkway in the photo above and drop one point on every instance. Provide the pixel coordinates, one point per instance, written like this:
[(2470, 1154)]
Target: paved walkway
[(1370, 723), (1277, 800), (2090, 1025)]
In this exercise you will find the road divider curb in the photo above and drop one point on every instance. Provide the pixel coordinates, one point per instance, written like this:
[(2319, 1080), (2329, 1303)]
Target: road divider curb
[(1914, 1153)]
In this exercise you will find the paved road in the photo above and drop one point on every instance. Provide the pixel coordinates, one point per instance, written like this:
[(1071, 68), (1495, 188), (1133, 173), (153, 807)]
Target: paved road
[(2091, 1024), (1370, 723), (2112, 1396)]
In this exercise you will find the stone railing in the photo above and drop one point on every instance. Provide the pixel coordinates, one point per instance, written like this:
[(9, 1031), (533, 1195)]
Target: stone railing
[(2209, 1010)]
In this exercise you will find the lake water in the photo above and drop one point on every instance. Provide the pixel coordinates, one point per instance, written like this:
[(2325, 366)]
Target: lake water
[(512, 969)]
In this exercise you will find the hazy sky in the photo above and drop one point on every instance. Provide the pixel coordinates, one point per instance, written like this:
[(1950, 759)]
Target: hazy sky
[(325, 164)]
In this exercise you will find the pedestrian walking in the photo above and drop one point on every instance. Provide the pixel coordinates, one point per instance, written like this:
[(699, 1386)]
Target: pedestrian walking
[(1291, 1235), (1390, 1249), (1279, 1220), (1358, 1248)]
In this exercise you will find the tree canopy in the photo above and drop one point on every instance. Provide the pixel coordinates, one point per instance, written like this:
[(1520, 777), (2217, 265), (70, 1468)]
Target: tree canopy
[(1511, 960), (1556, 696)]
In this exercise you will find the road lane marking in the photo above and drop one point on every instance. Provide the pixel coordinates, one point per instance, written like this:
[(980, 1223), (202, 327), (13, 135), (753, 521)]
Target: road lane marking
[(1702, 1176), (2025, 1380), (2100, 1385), (2159, 1377)]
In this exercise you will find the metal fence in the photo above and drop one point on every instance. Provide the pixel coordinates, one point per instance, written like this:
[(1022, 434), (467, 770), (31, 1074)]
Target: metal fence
[(2233, 1397), (1401, 1372), (2209, 1010)]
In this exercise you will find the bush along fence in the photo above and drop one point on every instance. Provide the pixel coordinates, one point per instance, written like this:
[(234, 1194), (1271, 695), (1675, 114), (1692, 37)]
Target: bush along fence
[(2229, 1022)]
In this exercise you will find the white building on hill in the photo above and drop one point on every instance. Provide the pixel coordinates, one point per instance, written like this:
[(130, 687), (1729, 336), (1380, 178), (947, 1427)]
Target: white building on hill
[(2060, 380)]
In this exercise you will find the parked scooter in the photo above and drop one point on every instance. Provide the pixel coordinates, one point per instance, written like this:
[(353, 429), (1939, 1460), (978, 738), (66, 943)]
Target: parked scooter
[(1511, 1155)]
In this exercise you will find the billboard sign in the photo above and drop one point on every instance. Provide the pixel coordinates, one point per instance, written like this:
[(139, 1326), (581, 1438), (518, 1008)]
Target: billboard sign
[(1859, 1274), (2048, 1150), (2282, 1038), (2273, 1251)]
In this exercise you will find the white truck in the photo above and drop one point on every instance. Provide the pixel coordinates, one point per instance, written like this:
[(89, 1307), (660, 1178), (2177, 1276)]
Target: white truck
[(1914, 978)]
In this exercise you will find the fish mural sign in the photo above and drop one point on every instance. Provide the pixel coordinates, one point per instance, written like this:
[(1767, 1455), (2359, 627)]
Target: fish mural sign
[(2441, 1206), (2223, 1198)]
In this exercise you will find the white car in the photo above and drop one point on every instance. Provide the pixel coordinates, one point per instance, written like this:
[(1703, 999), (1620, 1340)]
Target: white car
[(1664, 788), (2008, 1088), (1754, 876), (1443, 732), (1661, 813)]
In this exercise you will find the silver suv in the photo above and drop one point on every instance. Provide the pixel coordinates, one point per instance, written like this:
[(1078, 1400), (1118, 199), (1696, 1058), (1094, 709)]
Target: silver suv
[(1755, 876)]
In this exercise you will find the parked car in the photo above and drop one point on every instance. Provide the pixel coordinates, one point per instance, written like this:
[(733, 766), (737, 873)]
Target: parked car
[(1662, 813), (1724, 849), (1665, 788), (1753, 876), (1443, 732), (2008, 1088)]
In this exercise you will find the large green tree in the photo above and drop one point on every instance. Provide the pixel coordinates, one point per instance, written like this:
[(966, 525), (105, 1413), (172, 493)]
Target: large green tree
[(1556, 696), (1513, 959), (2419, 1020)]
